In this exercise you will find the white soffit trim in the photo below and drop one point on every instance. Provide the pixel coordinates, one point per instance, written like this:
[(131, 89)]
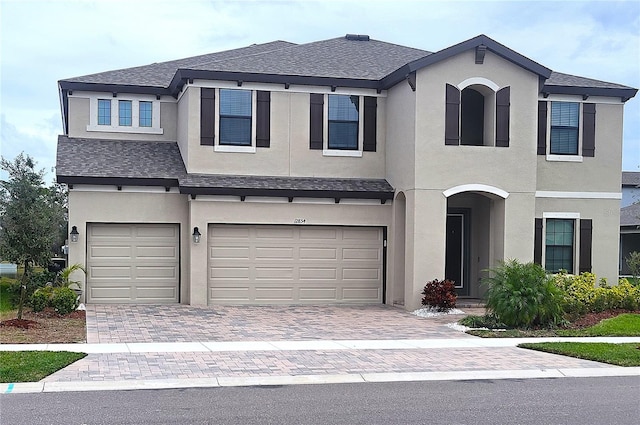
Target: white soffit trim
[(475, 188), (578, 195), (561, 215)]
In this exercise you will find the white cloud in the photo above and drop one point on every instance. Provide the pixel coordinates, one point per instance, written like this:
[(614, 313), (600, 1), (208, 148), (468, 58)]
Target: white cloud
[(45, 41)]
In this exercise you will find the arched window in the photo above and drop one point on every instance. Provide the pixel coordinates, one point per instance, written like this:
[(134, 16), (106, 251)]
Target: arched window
[(477, 116)]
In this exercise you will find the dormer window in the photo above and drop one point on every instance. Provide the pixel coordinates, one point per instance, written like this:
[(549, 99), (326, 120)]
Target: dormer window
[(124, 113), (104, 112)]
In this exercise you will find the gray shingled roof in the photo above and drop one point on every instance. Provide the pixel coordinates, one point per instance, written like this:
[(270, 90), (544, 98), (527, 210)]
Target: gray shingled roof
[(630, 178), (107, 161), (118, 159), (334, 58), (567, 80), (286, 183), (630, 216), (160, 74)]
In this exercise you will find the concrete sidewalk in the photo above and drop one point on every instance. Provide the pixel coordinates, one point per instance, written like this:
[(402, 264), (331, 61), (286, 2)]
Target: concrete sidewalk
[(125, 366)]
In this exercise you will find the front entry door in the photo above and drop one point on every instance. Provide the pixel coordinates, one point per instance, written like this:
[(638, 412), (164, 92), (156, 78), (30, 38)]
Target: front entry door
[(455, 259)]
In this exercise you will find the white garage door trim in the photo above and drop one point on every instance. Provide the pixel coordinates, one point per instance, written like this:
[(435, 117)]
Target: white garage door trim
[(133, 263), (284, 264)]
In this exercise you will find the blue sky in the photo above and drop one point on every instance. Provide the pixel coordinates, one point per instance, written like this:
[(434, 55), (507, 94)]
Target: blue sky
[(45, 41)]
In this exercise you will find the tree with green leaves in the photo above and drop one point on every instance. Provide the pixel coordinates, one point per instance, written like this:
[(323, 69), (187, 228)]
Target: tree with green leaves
[(31, 216)]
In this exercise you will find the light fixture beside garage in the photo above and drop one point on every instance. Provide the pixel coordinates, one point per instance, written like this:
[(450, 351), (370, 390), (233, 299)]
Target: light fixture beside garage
[(74, 234), (196, 235)]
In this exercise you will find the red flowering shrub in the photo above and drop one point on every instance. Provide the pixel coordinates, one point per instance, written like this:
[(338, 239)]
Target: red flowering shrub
[(440, 294)]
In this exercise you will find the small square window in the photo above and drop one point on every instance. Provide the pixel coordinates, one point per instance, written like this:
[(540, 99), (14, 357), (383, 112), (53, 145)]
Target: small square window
[(565, 119), (124, 112), (343, 122), (235, 117), (104, 112), (146, 112)]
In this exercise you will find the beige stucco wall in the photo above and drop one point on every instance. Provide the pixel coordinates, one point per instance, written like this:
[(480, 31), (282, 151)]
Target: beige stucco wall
[(289, 153), (128, 206), (78, 119), (605, 214), (205, 210), (401, 136), (598, 174)]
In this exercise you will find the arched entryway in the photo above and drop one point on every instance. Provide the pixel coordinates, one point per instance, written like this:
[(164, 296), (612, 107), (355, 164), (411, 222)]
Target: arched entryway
[(474, 235)]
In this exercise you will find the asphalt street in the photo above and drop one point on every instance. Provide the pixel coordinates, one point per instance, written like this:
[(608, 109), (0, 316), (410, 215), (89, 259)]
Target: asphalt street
[(533, 401)]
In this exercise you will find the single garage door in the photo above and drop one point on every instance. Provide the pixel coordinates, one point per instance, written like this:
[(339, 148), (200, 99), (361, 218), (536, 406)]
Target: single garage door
[(133, 263), (257, 264)]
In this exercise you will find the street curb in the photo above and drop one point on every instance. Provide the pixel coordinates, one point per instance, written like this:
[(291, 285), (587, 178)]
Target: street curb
[(238, 381)]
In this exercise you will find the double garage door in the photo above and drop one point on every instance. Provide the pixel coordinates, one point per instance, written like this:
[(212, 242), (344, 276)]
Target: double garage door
[(258, 264), (133, 263), (248, 264)]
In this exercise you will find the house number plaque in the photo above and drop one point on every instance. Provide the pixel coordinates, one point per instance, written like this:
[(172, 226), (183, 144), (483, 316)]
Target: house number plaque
[(299, 221)]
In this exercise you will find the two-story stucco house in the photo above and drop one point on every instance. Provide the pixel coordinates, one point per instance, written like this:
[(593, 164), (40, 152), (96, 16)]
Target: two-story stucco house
[(346, 170)]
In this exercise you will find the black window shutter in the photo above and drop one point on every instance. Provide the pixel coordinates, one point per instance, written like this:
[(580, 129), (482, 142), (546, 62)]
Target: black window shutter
[(586, 230), (316, 121), (207, 116), (452, 116), (263, 119), (537, 242), (588, 129), (370, 123), (542, 127), (503, 103)]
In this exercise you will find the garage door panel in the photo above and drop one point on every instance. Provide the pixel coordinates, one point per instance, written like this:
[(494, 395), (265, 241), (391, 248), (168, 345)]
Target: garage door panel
[(274, 252), (230, 232), (273, 294), (230, 252), (274, 273), (110, 252), (360, 274), (318, 253), (319, 294), (133, 263), (329, 273), (295, 264)]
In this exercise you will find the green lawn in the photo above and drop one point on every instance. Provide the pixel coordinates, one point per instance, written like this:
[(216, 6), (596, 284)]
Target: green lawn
[(5, 304), (616, 354), (32, 366)]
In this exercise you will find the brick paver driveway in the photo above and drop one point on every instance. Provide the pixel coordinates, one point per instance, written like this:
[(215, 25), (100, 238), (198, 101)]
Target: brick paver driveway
[(183, 323)]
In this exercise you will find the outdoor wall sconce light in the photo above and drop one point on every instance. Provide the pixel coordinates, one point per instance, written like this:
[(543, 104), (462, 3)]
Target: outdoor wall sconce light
[(74, 234), (196, 235)]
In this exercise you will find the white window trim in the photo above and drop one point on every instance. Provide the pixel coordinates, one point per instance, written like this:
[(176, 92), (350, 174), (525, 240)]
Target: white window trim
[(564, 158), (357, 153), (217, 147), (115, 115), (576, 235)]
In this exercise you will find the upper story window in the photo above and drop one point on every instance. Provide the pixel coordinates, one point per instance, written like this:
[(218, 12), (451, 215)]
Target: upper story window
[(235, 117), (146, 114), (477, 114), (124, 113), (344, 118), (104, 112), (564, 128), (130, 114), (228, 122), (342, 125), (567, 131)]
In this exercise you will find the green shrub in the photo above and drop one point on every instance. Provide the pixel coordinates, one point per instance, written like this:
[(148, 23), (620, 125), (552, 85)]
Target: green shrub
[(523, 295), (440, 294), (64, 300), (486, 321), (38, 279), (41, 298), (582, 295)]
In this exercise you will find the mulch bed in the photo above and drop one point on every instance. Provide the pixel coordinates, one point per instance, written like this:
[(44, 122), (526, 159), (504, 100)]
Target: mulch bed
[(44, 327), (591, 319)]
